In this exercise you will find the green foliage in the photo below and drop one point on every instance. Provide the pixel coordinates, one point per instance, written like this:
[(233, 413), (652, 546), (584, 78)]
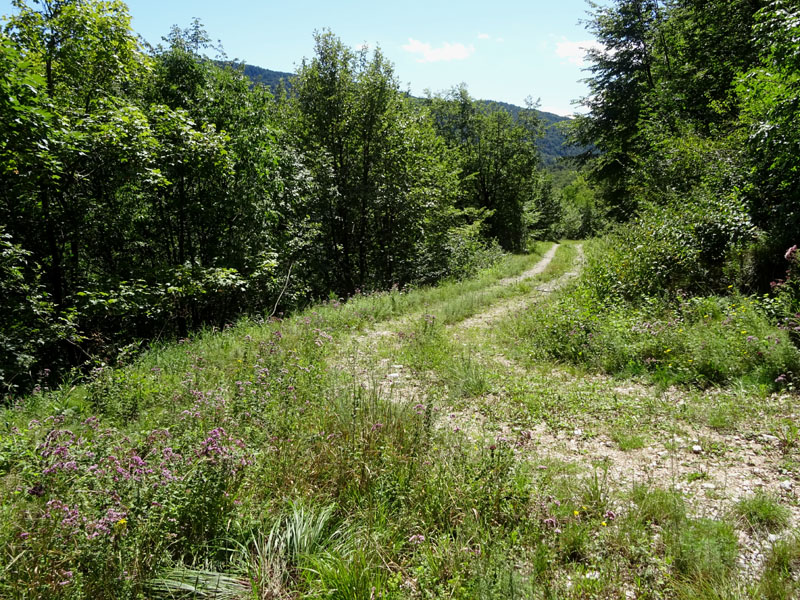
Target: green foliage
[(695, 340), (582, 215), (704, 550), (780, 572), (658, 506), (384, 188), (660, 90), (679, 248), (29, 327), (762, 512), (157, 193), (498, 160), (768, 95), (622, 77), (693, 103)]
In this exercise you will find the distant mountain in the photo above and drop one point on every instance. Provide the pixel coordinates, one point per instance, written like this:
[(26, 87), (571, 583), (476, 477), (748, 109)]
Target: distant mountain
[(552, 145), (266, 76)]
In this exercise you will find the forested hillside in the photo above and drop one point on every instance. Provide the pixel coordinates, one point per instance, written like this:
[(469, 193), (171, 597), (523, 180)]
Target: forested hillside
[(552, 144), (272, 79)]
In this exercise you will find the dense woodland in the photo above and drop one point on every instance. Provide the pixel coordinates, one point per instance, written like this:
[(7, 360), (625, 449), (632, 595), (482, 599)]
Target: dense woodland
[(316, 339), (692, 113), (147, 192)]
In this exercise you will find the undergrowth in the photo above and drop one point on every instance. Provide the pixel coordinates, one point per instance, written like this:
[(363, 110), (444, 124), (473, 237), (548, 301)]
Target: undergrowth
[(701, 341)]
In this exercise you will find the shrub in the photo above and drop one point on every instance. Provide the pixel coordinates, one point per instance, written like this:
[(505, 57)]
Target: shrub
[(680, 247), (700, 341), (30, 327)]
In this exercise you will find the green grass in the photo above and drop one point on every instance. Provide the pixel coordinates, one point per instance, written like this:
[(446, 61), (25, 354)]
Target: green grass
[(762, 512), (700, 341), (657, 506), (704, 550), (780, 578), (270, 460), (628, 435)]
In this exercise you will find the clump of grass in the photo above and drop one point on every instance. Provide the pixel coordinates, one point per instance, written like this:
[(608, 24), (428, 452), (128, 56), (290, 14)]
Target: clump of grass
[(704, 550), (627, 440), (574, 542), (723, 417), (595, 491), (780, 578), (345, 575), (657, 506), (468, 377), (762, 512), (198, 583)]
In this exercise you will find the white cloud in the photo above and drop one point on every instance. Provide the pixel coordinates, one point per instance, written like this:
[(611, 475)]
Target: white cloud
[(484, 36), (445, 52), (575, 52), (500, 40)]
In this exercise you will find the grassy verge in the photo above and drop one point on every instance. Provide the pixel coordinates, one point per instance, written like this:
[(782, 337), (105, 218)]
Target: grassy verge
[(701, 341), (169, 473)]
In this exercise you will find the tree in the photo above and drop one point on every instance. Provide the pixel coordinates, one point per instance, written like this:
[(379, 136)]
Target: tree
[(377, 167), (86, 59), (769, 96), (622, 76), (498, 160)]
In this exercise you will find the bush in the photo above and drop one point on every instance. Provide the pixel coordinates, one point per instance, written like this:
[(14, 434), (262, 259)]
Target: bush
[(30, 328), (701, 341), (458, 253), (679, 248)]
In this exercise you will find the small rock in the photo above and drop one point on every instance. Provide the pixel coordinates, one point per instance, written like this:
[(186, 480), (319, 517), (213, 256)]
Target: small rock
[(772, 537), (786, 485), (697, 449), (771, 439), (578, 432), (709, 486)]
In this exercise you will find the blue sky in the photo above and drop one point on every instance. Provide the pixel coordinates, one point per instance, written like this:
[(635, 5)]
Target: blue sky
[(502, 49)]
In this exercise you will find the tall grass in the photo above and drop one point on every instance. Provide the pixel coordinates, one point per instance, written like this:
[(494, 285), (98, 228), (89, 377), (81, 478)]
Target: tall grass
[(700, 341)]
